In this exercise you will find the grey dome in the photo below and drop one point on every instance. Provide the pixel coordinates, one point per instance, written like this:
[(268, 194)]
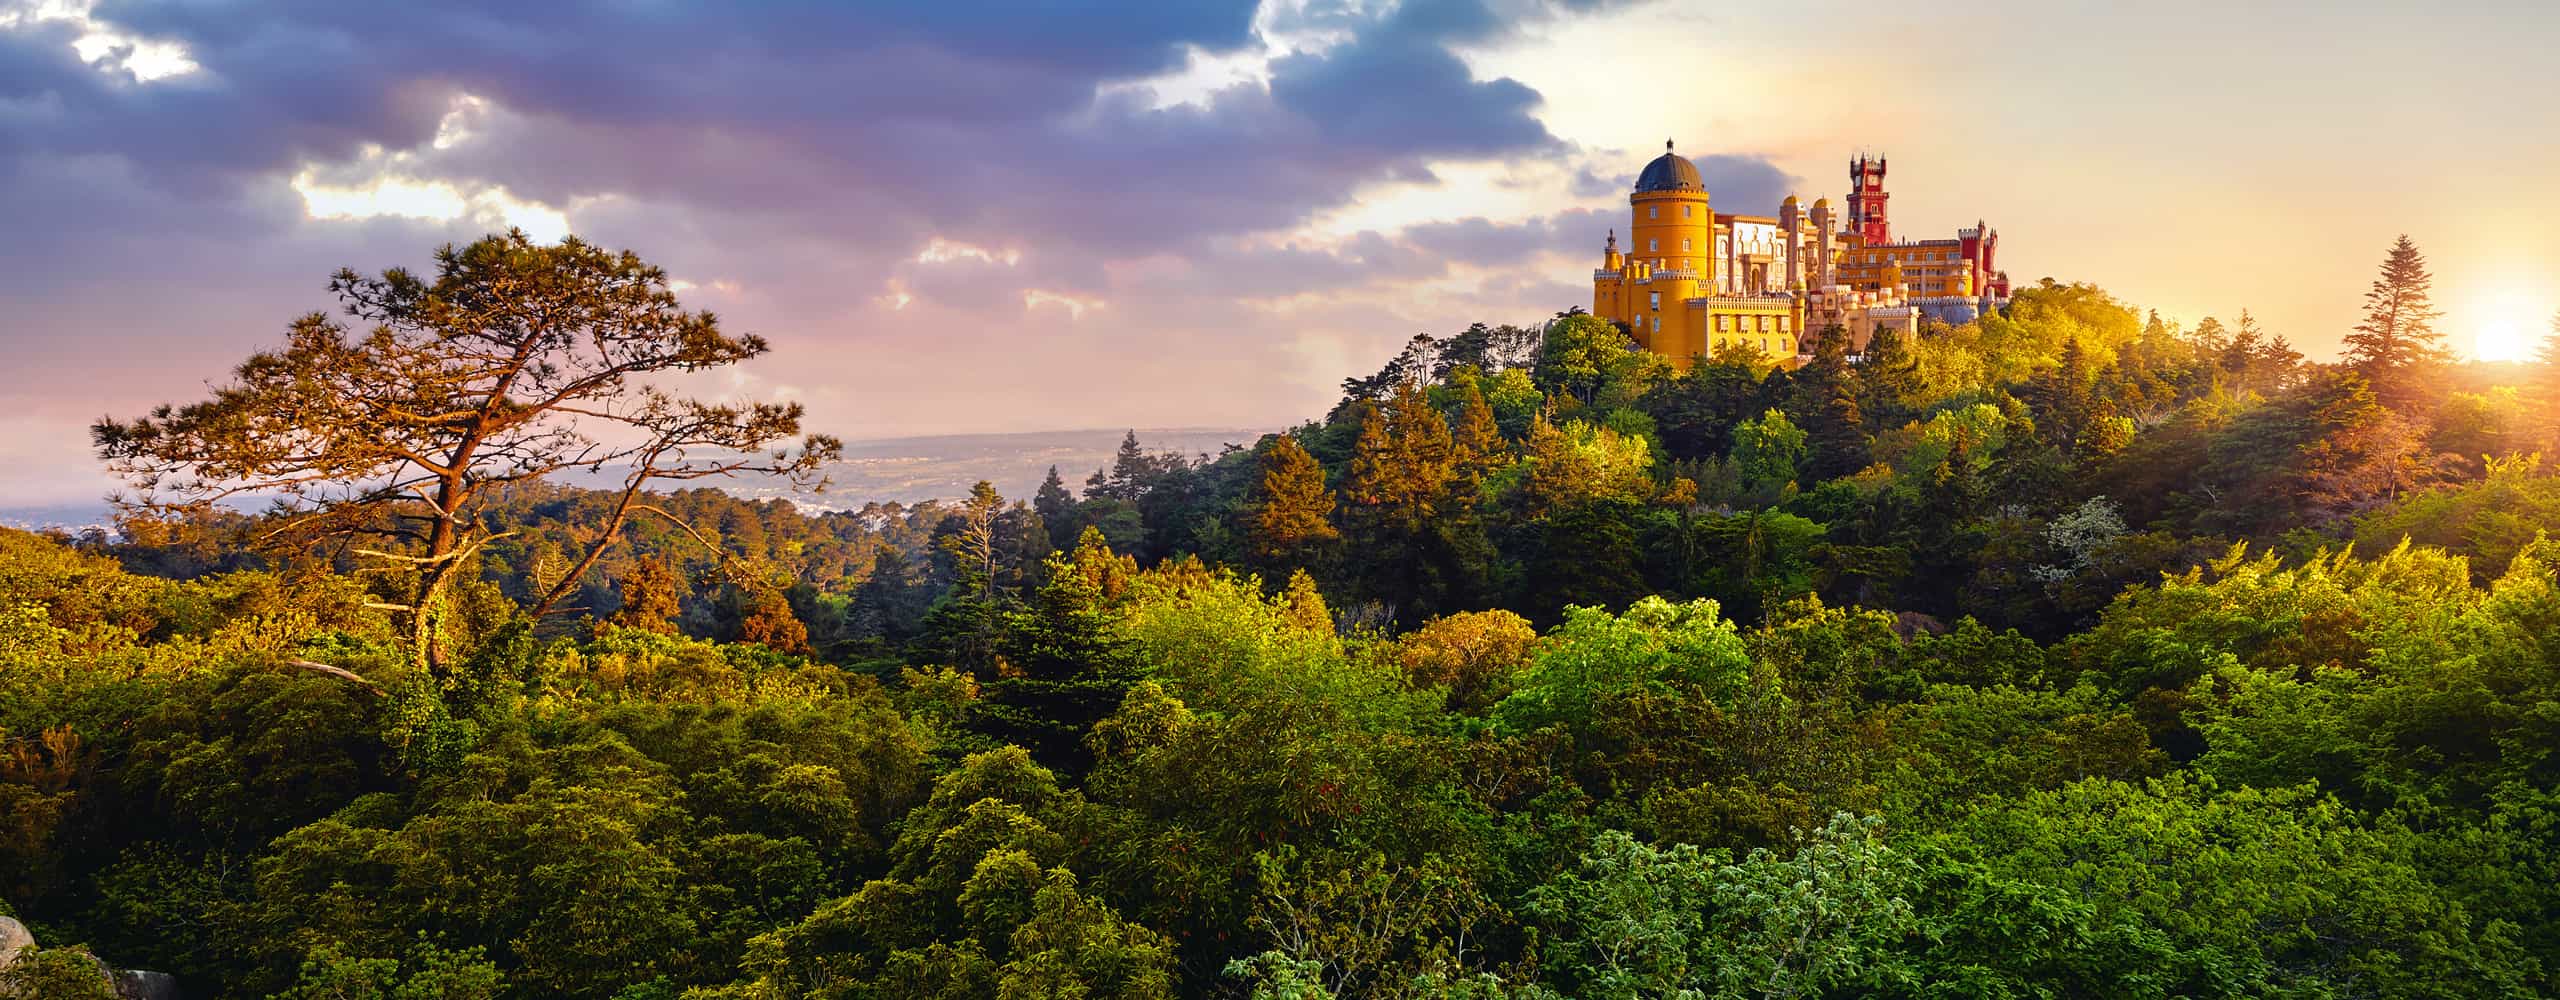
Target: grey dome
[(1669, 172)]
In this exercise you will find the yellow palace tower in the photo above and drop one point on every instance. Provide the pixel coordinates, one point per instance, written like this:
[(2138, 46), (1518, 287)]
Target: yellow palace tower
[(1691, 282)]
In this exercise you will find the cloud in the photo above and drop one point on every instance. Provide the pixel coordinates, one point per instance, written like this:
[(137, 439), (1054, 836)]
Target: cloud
[(1746, 184), (905, 198)]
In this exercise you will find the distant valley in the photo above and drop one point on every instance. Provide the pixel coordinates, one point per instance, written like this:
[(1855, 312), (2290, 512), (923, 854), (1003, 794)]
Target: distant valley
[(903, 469)]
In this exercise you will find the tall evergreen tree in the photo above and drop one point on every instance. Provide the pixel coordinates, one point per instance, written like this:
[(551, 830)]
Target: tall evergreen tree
[(1889, 375), (2210, 338), (1476, 438), (1056, 508), (1289, 514), (888, 604), (965, 625), (1824, 400), (1132, 472), (1071, 664), (2397, 345), (1397, 490), (2065, 398)]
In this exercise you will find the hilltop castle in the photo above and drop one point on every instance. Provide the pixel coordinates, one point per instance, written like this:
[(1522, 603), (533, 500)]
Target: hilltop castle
[(1692, 280)]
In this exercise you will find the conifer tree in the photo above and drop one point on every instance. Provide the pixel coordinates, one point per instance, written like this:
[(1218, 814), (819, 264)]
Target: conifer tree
[(2254, 361), (1070, 662), (1397, 490), (651, 597), (512, 362), (1477, 437), (1304, 603), (2066, 401), (2210, 338), (1890, 376), (1289, 514), (2237, 356), (965, 625), (1132, 472), (886, 604), (1826, 394), (2155, 331), (1056, 508), (2397, 345)]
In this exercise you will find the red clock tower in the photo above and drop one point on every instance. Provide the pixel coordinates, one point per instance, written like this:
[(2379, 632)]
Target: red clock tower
[(1866, 201)]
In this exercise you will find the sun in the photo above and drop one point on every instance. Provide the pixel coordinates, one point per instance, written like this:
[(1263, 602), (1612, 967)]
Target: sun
[(2506, 326)]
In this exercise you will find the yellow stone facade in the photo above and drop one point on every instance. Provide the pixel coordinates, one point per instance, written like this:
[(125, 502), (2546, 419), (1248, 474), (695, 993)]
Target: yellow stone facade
[(1690, 282)]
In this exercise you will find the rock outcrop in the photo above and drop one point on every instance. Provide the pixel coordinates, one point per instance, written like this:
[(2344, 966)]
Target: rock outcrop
[(128, 984), (14, 938)]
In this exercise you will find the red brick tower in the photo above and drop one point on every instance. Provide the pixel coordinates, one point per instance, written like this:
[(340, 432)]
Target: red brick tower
[(1866, 201)]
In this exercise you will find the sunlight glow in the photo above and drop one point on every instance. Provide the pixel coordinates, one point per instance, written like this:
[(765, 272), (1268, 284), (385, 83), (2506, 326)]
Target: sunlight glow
[(411, 198), (104, 48), (1033, 298), (2504, 326), (380, 182), (942, 251)]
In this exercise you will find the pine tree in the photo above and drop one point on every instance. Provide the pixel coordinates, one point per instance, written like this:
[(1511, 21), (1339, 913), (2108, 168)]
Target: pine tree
[(652, 597), (1057, 509), (1368, 482), (2240, 355), (1289, 514), (1423, 441), (1840, 436), (1890, 375), (1476, 438), (1304, 603), (1132, 472), (1826, 394), (2256, 362), (1071, 662), (2397, 346), (2210, 338), (2155, 332), (2066, 404), (965, 625), (886, 604), (1414, 556)]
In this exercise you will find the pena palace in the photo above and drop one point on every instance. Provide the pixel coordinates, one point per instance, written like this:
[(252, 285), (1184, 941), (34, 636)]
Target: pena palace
[(1692, 280)]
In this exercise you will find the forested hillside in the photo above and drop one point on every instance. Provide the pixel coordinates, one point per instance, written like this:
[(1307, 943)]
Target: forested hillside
[(2070, 652)]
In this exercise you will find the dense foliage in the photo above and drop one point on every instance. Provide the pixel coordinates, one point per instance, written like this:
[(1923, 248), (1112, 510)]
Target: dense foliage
[(2065, 653)]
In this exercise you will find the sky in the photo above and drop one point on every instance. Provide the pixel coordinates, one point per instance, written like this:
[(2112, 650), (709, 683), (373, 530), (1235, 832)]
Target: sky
[(1019, 215)]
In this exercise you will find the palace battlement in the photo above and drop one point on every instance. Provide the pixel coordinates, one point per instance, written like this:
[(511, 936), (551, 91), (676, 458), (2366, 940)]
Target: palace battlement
[(1691, 280)]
